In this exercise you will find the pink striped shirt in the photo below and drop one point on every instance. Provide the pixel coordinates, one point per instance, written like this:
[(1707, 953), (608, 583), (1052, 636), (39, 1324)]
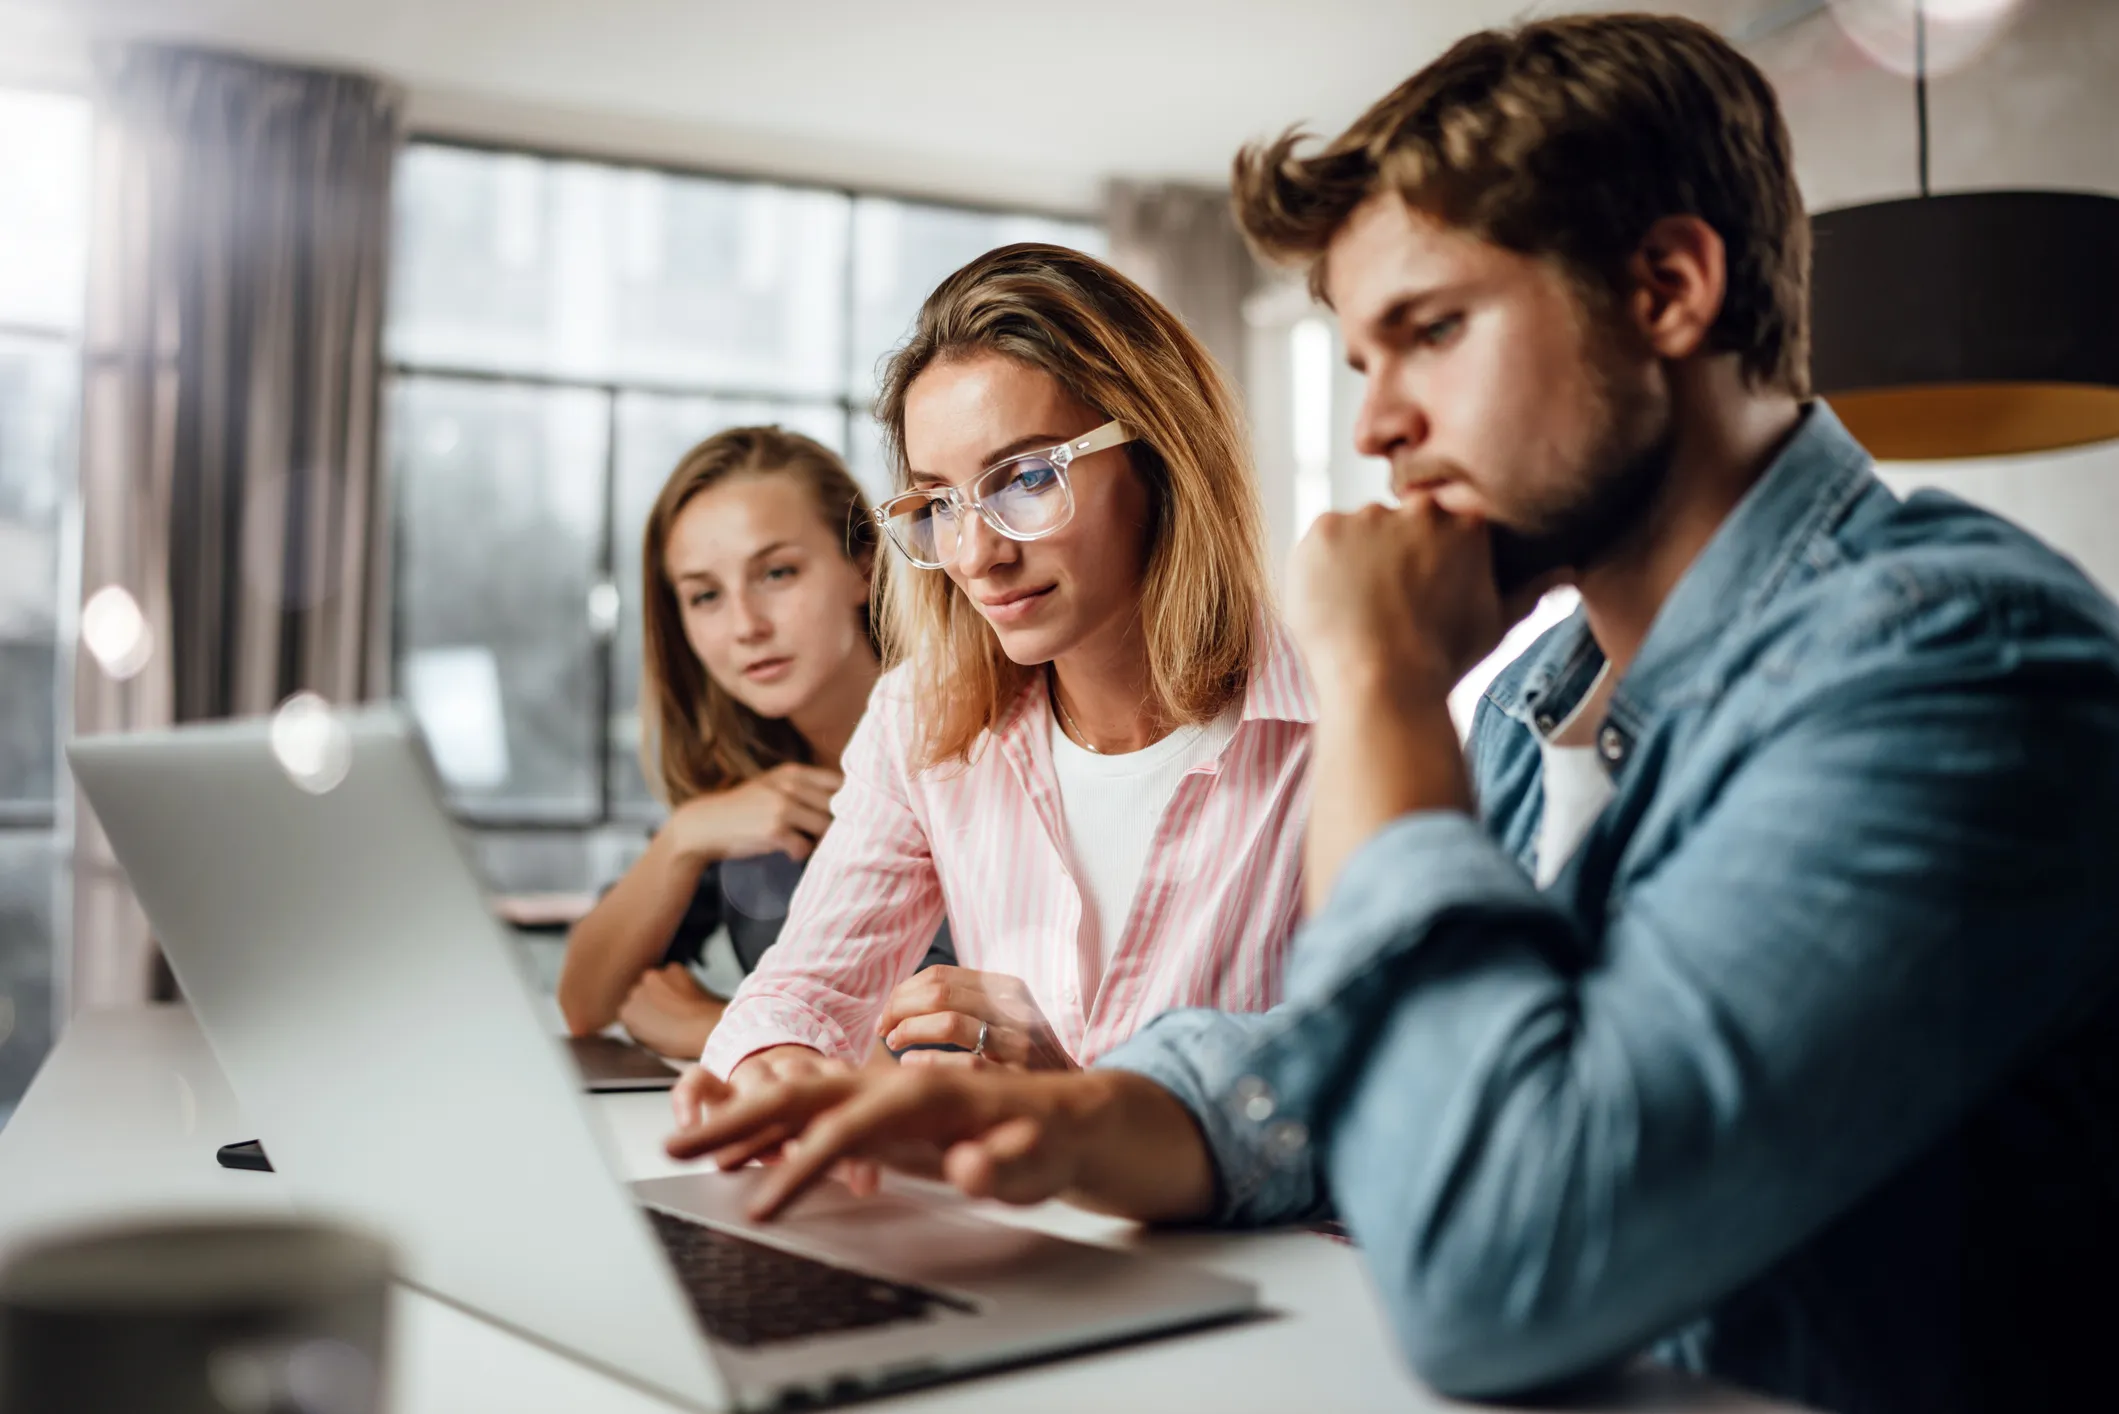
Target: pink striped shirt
[(1218, 901)]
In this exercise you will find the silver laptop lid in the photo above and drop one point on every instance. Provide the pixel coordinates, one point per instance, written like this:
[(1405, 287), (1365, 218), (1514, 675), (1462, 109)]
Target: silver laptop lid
[(373, 1019)]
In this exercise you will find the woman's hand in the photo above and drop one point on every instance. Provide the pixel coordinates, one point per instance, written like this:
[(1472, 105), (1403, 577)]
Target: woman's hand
[(951, 1006), (787, 809), (668, 1011)]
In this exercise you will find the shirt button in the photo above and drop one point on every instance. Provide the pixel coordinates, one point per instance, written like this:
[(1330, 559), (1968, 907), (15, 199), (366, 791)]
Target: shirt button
[(1254, 1099), (1544, 722), (1612, 742), (1285, 1140)]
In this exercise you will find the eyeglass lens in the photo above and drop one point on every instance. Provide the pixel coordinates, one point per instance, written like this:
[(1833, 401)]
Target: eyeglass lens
[(1024, 499)]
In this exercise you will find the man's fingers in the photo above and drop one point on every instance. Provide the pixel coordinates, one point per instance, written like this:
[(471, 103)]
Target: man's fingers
[(764, 1145), (969, 1168), (819, 1148), (803, 1160), (920, 1157), (1012, 1162), (875, 1120), (696, 1087), (744, 1114)]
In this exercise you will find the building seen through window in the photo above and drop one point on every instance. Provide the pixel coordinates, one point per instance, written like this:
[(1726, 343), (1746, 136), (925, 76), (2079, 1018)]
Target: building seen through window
[(559, 333)]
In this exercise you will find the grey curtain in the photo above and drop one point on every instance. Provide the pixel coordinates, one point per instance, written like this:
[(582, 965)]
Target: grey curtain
[(228, 477), (1182, 244)]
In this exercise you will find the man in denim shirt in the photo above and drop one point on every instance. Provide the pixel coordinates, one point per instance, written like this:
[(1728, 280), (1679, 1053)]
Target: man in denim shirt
[(1750, 998)]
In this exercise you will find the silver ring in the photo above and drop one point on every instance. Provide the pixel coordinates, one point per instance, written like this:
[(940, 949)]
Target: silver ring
[(985, 1030)]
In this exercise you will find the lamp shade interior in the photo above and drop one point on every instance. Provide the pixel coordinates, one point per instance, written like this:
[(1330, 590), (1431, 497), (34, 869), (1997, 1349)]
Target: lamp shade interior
[(1977, 419), (1973, 324)]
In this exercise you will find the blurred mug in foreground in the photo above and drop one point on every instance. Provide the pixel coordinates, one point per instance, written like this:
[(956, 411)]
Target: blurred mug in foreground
[(214, 1317)]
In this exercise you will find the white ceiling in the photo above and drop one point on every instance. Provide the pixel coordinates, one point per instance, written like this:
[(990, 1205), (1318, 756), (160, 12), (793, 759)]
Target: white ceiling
[(999, 101)]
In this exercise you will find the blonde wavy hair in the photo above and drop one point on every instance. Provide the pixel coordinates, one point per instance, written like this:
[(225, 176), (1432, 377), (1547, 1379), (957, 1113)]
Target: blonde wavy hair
[(1113, 347)]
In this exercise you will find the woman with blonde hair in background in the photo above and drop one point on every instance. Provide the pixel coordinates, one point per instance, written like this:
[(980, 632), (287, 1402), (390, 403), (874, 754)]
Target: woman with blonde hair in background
[(757, 660), (1092, 755)]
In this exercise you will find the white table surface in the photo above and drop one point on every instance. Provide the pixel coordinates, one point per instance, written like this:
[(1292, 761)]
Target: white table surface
[(125, 1117)]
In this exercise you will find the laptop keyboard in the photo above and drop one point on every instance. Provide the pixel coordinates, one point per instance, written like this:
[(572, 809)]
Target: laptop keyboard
[(749, 1294)]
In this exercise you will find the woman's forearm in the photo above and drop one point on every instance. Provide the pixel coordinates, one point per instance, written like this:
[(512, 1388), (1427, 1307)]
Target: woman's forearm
[(624, 935)]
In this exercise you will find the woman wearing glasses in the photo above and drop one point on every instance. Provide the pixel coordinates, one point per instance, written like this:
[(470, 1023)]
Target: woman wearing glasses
[(756, 663), (1092, 755)]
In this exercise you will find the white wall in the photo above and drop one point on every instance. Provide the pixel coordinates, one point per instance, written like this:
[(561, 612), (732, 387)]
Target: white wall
[(2069, 499), (1270, 379)]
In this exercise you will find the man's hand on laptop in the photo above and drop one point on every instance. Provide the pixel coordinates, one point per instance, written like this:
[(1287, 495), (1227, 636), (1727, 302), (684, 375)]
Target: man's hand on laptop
[(1103, 1139), (699, 1087), (699, 1090)]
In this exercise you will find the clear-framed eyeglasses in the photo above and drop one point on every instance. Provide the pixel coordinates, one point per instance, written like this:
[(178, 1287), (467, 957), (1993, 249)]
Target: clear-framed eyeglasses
[(1026, 497)]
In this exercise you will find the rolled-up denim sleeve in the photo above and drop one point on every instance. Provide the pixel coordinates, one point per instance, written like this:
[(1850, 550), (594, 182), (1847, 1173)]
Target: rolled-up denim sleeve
[(1439, 867), (1552, 1147), (1199, 1056)]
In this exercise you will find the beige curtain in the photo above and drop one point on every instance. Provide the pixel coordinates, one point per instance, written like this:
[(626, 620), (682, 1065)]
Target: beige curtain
[(228, 477), (1182, 244)]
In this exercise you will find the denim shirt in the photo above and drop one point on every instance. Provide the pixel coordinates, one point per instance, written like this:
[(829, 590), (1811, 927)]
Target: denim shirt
[(1804, 1071)]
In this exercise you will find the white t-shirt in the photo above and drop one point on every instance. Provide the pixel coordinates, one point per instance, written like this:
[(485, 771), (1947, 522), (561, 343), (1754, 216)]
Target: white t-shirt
[(1577, 787), (1112, 806)]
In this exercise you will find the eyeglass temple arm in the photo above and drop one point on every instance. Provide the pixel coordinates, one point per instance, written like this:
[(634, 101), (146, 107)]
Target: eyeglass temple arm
[(1111, 434)]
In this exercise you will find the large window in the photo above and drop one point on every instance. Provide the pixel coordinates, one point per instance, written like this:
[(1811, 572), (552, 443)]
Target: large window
[(43, 228), (559, 333)]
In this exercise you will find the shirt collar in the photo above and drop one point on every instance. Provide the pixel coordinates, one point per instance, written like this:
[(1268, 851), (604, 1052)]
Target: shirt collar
[(1778, 525), (1279, 689)]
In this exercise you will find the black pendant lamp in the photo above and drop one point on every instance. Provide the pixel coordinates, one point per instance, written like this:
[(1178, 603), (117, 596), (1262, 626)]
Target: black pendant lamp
[(1975, 324)]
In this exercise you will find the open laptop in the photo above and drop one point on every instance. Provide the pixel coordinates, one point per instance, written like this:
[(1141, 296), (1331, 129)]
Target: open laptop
[(377, 1026)]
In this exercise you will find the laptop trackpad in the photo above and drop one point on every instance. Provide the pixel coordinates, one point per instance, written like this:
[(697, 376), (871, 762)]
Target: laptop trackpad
[(890, 1234)]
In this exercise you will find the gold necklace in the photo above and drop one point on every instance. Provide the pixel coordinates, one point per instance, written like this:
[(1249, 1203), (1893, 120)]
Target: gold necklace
[(1067, 722)]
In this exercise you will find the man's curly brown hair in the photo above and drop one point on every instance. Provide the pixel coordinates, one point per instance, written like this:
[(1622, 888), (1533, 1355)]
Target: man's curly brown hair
[(1567, 139)]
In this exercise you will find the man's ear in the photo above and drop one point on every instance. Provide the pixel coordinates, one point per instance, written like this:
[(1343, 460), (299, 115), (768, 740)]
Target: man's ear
[(1679, 278)]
